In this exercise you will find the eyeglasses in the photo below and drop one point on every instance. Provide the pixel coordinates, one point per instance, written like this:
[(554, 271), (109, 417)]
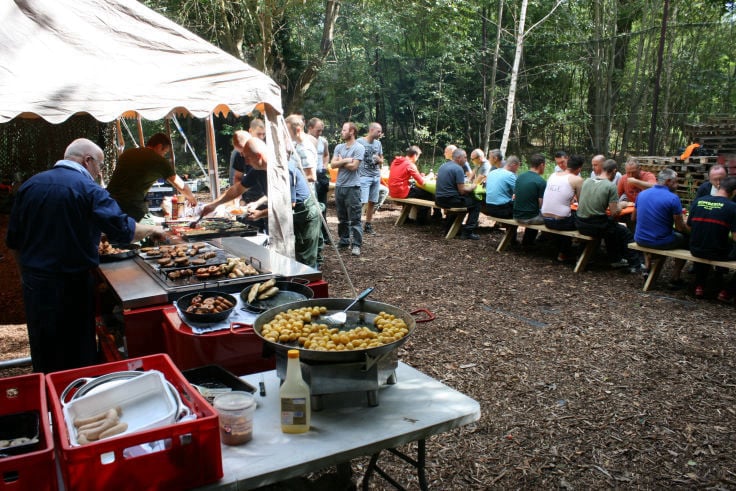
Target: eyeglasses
[(98, 162)]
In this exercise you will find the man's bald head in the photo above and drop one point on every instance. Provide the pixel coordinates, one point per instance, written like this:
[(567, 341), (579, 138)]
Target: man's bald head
[(253, 149), (86, 153)]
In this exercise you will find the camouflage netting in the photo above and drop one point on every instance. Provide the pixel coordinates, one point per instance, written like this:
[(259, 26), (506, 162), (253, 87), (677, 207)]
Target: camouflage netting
[(29, 146)]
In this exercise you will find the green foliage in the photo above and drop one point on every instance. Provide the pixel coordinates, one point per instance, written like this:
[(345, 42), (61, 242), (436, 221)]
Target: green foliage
[(417, 67)]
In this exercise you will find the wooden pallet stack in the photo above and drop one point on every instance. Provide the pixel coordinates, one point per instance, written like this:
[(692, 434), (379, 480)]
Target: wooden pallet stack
[(717, 134), (692, 172)]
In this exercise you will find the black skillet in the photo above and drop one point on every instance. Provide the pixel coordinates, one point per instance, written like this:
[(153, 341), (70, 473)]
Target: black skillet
[(289, 291)]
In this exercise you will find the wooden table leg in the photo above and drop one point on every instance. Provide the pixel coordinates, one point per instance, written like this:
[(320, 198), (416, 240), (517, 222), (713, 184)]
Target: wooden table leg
[(405, 209), (508, 236), (590, 248), (456, 226), (655, 268)]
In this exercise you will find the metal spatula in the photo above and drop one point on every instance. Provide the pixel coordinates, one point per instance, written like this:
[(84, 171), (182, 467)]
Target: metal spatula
[(339, 318)]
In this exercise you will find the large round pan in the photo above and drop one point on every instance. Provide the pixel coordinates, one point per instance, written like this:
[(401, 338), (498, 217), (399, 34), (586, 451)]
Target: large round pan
[(289, 291), (186, 301), (361, 314)]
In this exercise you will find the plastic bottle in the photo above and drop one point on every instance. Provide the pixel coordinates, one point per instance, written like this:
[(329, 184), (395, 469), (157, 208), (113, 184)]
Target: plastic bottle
[(181, 203), (295, 399), (174, 208)]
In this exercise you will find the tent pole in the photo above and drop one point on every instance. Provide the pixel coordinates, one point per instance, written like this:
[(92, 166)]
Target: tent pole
[(171, 153), (212, 157), (140, 131)]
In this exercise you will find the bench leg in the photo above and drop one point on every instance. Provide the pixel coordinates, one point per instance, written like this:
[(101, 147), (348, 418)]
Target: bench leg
[(590, 247), (405, 209), (507, 237), (456, 226), (657, 264)]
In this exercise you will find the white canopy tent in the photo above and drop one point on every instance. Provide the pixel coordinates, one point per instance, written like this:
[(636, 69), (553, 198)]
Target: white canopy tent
[(108, 58)]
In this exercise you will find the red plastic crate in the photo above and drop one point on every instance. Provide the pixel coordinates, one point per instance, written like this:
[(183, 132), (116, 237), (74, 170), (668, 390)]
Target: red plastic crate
[(192, 456), (34, 470), (240, 352)]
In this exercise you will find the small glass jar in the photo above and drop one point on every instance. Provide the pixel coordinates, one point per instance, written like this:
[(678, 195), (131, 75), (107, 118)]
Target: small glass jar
[(235, 410)]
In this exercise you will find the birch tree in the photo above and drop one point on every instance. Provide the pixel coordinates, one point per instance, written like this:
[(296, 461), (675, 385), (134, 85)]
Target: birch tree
[(521, 35)]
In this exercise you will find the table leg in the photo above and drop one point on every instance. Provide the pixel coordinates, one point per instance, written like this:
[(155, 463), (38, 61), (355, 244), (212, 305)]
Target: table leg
[(419, 464), (590, 248), (508, 236), (456, 226), (654, 269), (405, 209)]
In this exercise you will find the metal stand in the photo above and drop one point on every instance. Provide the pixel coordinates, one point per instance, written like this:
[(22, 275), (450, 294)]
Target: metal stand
[(418, 464)]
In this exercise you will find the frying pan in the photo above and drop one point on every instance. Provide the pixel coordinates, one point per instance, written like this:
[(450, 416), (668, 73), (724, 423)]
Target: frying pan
[(186, 301), (368, 309), (289, 291)]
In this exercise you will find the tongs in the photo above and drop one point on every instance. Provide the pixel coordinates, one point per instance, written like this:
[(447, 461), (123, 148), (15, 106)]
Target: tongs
[(195, 222)]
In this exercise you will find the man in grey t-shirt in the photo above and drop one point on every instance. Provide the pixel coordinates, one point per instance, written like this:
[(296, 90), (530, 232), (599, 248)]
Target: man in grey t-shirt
[(370, 172), (347, 158)]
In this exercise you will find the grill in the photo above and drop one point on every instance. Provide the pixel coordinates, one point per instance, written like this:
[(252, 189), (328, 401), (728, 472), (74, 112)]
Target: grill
[(180, 286)]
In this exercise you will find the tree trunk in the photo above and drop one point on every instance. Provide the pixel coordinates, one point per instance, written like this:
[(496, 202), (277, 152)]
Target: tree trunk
[(301, 86), (657, 81), (514, 77), (491, 88)]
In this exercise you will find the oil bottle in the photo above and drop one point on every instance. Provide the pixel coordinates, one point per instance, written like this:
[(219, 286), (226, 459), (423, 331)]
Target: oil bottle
[(295, 398)]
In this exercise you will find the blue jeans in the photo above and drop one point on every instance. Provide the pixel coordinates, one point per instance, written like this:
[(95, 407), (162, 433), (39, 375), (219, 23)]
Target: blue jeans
[(60, 313), (349, 211)]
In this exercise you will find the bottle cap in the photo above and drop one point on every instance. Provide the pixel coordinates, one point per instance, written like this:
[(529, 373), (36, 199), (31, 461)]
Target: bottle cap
[(293, 353)]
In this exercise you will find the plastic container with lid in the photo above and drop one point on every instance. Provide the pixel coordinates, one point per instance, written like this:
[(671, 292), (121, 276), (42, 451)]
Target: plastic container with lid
[(235, 410)]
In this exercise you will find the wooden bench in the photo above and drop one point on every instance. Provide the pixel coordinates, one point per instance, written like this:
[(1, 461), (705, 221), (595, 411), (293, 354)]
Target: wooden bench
[(410, 203), (659, 256), (591, 243)]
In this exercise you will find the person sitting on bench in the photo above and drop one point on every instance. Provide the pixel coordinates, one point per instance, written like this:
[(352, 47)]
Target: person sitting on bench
[(401, 170), (452, 192), (711, 219), (597, 197), (657, 210)]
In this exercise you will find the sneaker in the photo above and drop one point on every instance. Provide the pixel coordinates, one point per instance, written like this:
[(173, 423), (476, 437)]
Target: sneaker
[(699, 291), (636, 269), (470, 236), (724, 296), (355, 251), (369, 228), (343, 245), (621, 263)]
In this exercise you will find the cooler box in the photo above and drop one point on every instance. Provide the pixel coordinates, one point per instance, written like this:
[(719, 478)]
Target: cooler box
[(21, 396), (182, 455)]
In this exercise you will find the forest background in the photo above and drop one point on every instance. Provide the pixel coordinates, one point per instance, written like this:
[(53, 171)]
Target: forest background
[(618, 77)]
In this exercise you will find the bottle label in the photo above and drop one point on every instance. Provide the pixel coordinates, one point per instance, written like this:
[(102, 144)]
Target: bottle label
[(293, 411)]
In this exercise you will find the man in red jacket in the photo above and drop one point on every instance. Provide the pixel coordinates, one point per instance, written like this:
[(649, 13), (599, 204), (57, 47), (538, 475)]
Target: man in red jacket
[(401, 170)]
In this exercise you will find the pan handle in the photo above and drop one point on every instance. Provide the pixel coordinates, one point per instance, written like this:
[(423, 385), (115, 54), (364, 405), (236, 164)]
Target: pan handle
[(245, 328), (429, 316)]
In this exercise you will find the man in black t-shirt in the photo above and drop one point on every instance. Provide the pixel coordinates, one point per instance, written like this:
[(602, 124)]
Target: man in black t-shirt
[(712, 219)]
